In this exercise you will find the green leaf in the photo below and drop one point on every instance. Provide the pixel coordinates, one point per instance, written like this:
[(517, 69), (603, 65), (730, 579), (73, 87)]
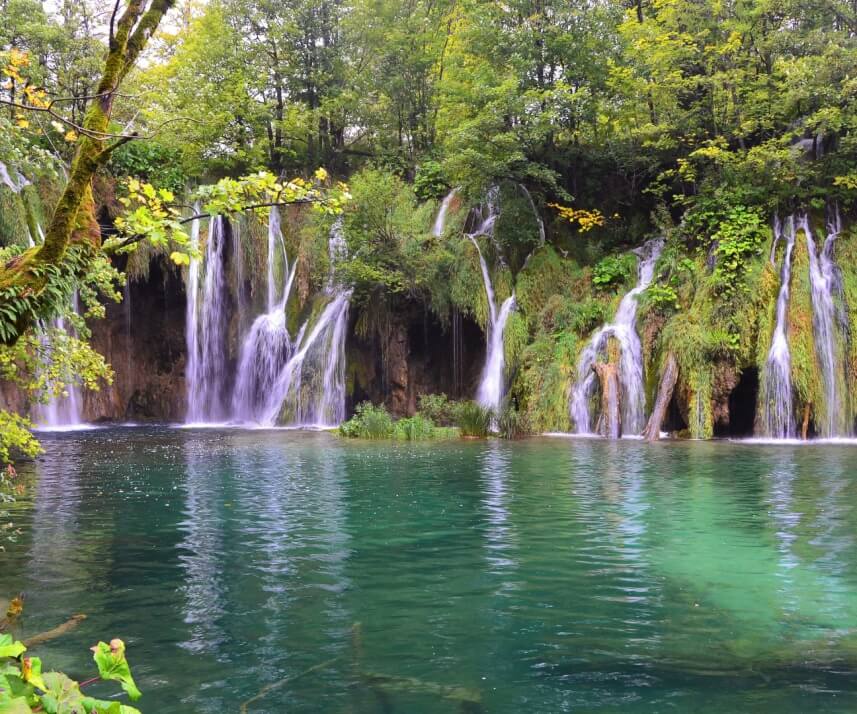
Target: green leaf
[(31, 672), (10, 648), (100, 706), (18, 705), (112, 664), (62, 694)]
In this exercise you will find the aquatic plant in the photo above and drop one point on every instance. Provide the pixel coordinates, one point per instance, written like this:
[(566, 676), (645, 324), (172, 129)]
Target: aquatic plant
[(25, 688), (369, 422), (474, 420)]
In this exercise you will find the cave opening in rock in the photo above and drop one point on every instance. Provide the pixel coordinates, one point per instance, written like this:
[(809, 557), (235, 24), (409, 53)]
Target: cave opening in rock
[(742, 405)]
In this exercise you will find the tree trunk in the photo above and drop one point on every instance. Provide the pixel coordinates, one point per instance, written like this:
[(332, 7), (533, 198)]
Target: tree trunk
[(73, 221), (608, 376), (666, 387)]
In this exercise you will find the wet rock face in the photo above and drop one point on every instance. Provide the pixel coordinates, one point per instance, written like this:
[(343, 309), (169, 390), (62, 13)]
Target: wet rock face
[(417, 356), (726, 378), (147, 353)]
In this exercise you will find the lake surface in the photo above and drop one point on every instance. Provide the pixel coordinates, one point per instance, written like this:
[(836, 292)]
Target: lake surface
[(548, 575)]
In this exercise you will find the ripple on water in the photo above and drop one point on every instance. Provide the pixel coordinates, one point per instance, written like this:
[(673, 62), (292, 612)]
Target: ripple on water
[(548, 575)]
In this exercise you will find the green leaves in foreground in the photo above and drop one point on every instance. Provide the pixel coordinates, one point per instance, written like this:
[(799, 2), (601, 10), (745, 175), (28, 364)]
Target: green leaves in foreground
[(24, 689), (113, 665)]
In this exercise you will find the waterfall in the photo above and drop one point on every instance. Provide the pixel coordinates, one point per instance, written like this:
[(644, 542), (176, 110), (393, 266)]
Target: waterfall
[(310, 389), (7, 180), (536, 215), (267, 346), (624, 330), (440, 220), (207, 323), (823, 277), (492, 383), (126, 304), (62, 411), (776, 392)]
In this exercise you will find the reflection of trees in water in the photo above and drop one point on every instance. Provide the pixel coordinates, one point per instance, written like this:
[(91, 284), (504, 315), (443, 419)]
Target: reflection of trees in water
[(805, 494), (71, 535)]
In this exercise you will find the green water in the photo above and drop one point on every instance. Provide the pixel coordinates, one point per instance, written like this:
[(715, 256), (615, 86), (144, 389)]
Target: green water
[(548, 575)]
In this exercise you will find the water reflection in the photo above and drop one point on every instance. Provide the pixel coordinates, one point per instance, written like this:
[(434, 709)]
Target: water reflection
[(501, 538), (546, 576), (202, 549)]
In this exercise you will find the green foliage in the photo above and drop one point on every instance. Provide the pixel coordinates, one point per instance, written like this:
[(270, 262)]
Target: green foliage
[(614, 270), (429, 181), (511, 423), (369, 422), (151, 162), (374, 422), (15, 437), (662, 298), (438, 408), (24, 688), (415, 428), (739, 237), (473, 419)]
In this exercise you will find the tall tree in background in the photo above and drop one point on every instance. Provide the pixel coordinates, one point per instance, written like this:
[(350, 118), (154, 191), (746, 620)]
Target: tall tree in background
[(131, 26)]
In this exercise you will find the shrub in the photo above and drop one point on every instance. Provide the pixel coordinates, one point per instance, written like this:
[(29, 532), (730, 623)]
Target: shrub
[(613, 270), (415, 428), (151, 162), (661, 298), (473, 419), (368, 422), (512, 424), (438, 408), (429, 181)]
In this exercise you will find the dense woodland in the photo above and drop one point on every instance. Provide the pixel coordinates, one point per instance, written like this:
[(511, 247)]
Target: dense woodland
[(612, 122)]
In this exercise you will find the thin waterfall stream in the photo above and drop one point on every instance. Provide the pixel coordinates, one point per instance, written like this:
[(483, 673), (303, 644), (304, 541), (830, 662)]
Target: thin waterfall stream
[(776, 393), (207, 326), (267, 345), (832, 422), (440, 219), (492, 386), (632, 399), (309, 391), (64, 411)]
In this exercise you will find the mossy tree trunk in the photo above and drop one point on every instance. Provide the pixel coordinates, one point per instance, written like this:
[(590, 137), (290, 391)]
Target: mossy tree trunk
[(73, 220), (666, 386)]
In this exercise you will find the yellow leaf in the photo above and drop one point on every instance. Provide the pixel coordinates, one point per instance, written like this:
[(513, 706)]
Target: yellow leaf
[(70, 136), (23, 123)]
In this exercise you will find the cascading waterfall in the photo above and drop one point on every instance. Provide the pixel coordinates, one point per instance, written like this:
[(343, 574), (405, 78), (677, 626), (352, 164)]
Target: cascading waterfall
[(310, 389), (440, 219), (267, 346), (492, 383), (536, 215), (624, 330), (11, 183), (126, 304), (207, 321), (776, 393), (823, 277), (62, 411)]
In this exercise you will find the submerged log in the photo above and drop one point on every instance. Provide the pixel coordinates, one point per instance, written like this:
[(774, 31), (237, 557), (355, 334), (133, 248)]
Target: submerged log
[(57, 631), (666, 386), (608, 376), (469, 700)]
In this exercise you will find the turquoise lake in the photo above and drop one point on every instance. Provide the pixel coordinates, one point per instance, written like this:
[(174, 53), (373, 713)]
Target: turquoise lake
[(547, 575)]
